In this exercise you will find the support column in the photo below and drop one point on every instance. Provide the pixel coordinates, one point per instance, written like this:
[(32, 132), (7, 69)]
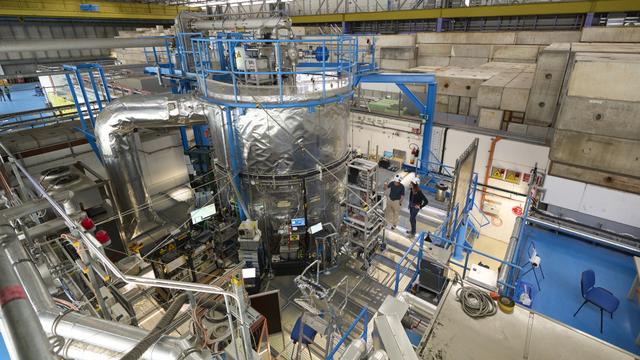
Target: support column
[(588, 20), (439, 22)]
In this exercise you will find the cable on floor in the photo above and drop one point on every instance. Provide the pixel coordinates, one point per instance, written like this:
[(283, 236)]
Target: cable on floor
[(475, 302)]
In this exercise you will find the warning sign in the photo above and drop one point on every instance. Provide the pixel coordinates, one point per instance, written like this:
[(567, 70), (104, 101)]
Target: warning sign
[(513, 176), (497, 173)]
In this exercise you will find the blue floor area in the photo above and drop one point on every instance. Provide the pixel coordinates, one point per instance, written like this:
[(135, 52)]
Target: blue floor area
[(4, 354), (23, 99), (563, 260)]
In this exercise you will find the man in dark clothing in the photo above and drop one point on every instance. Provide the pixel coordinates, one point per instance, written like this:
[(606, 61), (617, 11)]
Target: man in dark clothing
[(394, 201), (7, 92), (417, 201)]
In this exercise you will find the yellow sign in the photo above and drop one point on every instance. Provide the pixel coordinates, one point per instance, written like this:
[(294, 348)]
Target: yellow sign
[(497, 173), (513, 176)]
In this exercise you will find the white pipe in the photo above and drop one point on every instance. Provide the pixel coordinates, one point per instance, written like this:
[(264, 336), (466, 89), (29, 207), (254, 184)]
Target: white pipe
[(420, 306), (10, 46), (233, 24)]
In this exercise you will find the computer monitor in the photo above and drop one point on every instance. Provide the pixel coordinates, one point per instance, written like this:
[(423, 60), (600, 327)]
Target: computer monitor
[(249, 273)]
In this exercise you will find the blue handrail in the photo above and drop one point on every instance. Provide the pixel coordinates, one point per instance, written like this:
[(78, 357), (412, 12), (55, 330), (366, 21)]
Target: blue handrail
[(402, 270), (364, 316)]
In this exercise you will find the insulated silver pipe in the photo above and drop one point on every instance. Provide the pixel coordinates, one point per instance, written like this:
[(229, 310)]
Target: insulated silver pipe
[(22, 329), (39, 294), (11, 46), (76, 326), (248, 24), (78, 350), (114, 131)]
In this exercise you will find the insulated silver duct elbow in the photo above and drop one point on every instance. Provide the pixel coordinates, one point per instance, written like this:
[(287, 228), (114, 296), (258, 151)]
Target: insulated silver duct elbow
[(114, 131)]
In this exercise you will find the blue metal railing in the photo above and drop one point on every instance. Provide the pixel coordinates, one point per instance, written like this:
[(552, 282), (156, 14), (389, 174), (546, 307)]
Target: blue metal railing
[(469, 250), (364, 316), (333, 58), (401, 270)]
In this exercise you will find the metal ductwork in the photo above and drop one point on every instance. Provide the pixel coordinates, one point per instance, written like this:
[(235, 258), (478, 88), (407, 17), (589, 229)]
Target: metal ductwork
[(92, 338), (114, 131), (10, 46)]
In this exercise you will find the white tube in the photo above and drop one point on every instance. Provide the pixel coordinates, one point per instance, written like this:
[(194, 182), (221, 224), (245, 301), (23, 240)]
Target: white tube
[(420, 306), (10, 46), (232, 24)]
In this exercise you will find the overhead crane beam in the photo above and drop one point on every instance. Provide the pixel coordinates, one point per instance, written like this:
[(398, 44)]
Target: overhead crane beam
[(555, 8), (88, 9)]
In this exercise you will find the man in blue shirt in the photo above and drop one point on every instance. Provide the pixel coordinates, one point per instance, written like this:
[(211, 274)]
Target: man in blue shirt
[(394, 201)]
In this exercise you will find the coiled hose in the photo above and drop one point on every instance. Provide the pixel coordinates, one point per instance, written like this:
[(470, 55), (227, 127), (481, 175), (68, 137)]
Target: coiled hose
[(475, 302), (155, 334)]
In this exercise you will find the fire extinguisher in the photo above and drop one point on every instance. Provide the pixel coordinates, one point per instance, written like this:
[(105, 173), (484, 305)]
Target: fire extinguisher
[(415, 151)]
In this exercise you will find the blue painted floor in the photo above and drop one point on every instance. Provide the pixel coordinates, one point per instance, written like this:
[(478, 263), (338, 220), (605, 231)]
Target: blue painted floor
[(563, 260), (4, 354), (23, 99)]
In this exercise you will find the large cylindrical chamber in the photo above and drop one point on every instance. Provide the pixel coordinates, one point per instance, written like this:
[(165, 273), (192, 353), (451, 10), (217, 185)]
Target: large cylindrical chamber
[(286, 156)]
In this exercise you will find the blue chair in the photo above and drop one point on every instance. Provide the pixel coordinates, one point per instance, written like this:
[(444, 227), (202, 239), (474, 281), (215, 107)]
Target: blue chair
[(598, 296)]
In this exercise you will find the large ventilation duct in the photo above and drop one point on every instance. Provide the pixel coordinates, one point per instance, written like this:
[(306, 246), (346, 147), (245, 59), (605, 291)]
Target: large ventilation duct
[(114, 131)]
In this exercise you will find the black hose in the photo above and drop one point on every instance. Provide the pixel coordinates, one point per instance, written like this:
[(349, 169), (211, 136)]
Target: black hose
[(155, 334)]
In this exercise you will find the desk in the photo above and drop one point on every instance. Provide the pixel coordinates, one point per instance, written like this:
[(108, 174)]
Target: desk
[(635, 288)]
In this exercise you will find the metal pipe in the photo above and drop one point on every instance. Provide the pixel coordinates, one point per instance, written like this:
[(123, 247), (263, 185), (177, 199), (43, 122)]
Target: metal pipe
[(582, 234), (420, 306), (78, 350), (103, 330), (12, 46), (114, 131), (22, 329), (247, 24)]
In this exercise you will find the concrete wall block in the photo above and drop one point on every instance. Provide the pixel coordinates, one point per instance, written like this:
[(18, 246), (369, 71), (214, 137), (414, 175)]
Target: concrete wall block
[(473, 107), (405, 53), (546, 37), (538, 132), (490, 96), (463, 106), (454, 104), (503, 37), (472, 51), (546, 87), (461, 82), (490, 118), (611, 34), (433, 61), (606, 179), (516, 94), (395, 40), (518, 129), (391, 64), (613, 79), (434, 50), (610, 118), (467, 62), (515, 52), (604, 153)]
